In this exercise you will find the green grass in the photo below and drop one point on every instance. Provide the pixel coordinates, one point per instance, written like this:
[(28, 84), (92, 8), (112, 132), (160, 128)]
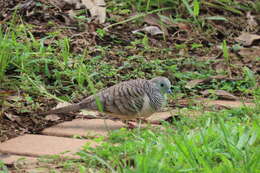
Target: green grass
[(225, 141)]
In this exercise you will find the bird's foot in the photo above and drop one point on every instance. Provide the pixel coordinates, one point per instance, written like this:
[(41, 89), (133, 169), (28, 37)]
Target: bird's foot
[(129, 124)]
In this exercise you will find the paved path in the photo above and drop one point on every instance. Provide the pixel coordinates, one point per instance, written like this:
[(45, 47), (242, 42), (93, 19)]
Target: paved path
[(59, 139)]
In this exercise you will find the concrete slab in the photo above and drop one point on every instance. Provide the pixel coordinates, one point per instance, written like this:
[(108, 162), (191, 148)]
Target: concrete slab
[(41, 145), (84, 127)]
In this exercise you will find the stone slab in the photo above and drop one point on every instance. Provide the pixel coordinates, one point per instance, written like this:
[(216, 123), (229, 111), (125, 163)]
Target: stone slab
[(16, 159), (84, 127), (41, 145)]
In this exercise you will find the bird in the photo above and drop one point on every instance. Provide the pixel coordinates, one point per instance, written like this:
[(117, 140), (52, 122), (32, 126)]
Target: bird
[(128, 100)]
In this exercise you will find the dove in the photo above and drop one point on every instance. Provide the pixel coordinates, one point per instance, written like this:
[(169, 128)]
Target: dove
[(128, 100)]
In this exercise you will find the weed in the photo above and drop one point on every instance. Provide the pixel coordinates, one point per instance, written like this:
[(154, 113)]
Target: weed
[(3, 168)]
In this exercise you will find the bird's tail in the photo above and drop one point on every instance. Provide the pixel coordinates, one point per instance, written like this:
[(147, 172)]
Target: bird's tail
[(65, 109)]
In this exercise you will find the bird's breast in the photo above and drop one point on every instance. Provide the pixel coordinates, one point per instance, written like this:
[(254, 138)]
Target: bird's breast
[(147, 109)]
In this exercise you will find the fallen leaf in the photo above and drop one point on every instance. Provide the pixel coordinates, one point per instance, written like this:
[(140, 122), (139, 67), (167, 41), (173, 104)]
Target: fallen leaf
[(12, 117), (97, 9), (61, 104), (24, 6), (252, 24), (193, 83), (247, 39), (220, 93), (153, 30), (219, 66), (250, 53), (219, 77), (227, 104), (6, 92), (184, 26), (52, 117), (93, 114), (205, 58), (154, 19)]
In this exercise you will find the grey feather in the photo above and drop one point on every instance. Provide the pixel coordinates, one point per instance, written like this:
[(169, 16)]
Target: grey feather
[(126, 100)]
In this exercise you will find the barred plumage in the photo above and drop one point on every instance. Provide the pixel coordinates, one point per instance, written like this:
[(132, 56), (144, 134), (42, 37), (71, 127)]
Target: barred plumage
[(126, 100)]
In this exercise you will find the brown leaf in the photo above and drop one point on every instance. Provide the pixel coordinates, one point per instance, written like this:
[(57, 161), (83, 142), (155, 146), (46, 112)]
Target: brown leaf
[(61, 104), (153, 30), (226, 104), (97, 9), (247, 39), (184, 26), (252, 24), (220, 93), (194, 83), (92, 114), (6, 92), (52, 117), (154, 19), (250, 53), (164, 22), (218, 77), (12, 117), (219, 66)]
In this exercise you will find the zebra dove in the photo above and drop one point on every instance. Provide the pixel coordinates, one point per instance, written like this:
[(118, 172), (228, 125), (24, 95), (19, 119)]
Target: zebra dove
[(127, 100)]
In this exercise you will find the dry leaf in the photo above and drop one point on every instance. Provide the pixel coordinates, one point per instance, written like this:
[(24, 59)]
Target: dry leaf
[(62, 104), (252, 24), (247, 39), (12, 117), (219, 77), (52, 117), (93, 114), (6, 92), (194, 83), (154, 19), (250, 53), (227, 104), (220, 93), (153, 30), (97, 9), (205, 58), (164, 22)]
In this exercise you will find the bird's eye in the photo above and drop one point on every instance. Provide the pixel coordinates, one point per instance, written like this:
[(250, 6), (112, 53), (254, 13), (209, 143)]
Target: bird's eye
[(162, 85)]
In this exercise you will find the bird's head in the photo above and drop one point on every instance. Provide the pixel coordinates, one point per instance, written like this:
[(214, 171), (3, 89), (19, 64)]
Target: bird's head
[(163, 84)]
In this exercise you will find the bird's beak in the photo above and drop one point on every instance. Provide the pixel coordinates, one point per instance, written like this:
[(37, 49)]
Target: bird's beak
[(169, 91)]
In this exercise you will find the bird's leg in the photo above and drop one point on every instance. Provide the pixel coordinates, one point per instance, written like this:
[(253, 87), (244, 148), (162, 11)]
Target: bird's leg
[(129, 124)]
